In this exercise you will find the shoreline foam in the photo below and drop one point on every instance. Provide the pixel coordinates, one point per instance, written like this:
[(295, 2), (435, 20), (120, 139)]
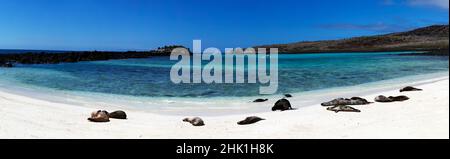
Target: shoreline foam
[(210, 106)]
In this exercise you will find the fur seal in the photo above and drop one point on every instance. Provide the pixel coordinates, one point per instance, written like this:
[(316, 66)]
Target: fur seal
[(361, 101), (118, 115), (250, 120), (99, 116), (260, 100), (359, 98), (195, 121), (343, 108), (409, 88), (282, 104), (288, 95), (384, 99), (399, 98), (346, 101)]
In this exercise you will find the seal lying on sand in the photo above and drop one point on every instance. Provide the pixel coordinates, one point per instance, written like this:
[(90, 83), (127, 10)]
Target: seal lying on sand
[(359, 98), (398, 98), (118, 115), (346, 101), (260, 100), (384, 99), (99, 116), (343, 108), (195, 121), (409, 88), (250, 120), (282, 104)]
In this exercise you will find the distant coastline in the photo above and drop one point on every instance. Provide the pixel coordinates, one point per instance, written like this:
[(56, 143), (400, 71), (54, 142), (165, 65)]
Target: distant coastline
[(10, 57), (432, 39), (22, 51)]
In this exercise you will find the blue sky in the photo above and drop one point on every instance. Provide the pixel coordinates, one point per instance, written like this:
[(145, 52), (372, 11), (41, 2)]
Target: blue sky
[(147, 24)]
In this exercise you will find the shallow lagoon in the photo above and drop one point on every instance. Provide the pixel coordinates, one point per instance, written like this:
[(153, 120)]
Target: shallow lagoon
[(151, 77)]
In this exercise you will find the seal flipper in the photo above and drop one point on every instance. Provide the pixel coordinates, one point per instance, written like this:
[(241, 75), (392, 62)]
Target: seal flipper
[(349, 109)]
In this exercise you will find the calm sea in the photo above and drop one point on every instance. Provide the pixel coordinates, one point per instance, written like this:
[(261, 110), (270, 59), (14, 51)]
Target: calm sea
[(150, 77)]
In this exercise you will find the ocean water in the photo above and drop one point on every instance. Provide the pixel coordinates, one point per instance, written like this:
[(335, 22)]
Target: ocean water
[(150, 77)]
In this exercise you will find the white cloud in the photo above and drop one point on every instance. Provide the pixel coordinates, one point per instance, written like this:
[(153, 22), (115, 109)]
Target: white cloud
[(434, 3)]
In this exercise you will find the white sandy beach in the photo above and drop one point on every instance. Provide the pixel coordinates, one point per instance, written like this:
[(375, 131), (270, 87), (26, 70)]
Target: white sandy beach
[(425, 115)]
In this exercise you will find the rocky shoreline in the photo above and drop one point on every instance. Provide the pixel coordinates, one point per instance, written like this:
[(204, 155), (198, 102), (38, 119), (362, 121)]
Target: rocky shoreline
[(8, 60)]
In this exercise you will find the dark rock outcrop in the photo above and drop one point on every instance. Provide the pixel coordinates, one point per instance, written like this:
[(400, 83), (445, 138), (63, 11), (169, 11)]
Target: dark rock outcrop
[(6, 64), (71, 57), (250, 120), (288, 95), (282, 105)]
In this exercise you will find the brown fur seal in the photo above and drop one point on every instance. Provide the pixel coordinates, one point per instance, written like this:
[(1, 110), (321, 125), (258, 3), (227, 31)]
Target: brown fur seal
[(343, 108), (409, 88), (399, 98), (118, 115), (195, 121), (282, 104), (99, 116), (250, 120), (382, 99), (346, 101), (361, 99), (260, 100)]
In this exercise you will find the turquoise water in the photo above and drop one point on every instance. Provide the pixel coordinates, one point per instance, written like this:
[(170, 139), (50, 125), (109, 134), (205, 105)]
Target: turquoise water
[(150, 77)]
